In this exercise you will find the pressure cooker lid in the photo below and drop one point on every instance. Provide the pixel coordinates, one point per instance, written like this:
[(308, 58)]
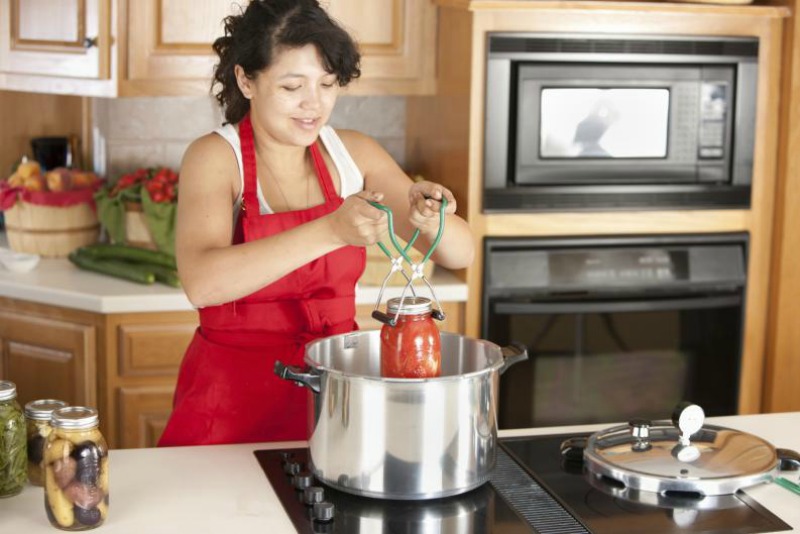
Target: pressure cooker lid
[(682, 455)]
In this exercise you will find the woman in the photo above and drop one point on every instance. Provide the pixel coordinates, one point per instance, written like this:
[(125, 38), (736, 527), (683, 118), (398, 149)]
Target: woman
[(273, 218)]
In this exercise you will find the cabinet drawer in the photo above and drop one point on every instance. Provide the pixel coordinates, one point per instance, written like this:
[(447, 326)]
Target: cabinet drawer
[(153, 349)]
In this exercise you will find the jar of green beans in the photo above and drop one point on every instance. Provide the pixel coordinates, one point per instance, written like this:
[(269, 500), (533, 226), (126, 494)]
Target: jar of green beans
[(13, 454)]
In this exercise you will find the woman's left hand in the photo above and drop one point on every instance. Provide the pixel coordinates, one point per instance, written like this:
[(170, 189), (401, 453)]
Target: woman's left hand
[(425, 199)]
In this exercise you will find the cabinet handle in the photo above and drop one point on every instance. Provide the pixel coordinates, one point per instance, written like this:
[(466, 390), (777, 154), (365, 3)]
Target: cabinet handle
[(89, 42)]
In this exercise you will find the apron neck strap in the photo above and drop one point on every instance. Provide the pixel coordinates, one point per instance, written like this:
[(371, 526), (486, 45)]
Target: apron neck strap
[(323, 176), (249, 195)]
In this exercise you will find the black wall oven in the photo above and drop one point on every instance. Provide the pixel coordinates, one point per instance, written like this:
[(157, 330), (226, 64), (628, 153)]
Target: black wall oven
[(617, 327)]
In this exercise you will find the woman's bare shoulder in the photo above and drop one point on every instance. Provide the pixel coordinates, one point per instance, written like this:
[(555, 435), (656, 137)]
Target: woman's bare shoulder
[(363, 148), (210, 155), (210, 148)]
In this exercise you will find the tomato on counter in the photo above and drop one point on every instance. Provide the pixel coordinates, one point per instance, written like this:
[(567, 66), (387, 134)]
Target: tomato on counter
[(411, 348)]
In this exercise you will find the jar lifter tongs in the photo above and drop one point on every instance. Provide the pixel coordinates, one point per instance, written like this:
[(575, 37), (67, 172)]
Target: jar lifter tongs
[(416, 268)]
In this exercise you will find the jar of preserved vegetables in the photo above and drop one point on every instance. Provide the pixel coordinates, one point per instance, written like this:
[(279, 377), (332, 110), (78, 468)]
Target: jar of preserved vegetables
[(76, 470), (411, 348), (13, 456), (37, 416)]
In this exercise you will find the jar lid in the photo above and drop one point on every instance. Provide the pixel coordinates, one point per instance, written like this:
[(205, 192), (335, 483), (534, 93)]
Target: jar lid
[(75, 418), (8, 390), (42, 409), (411, 306)]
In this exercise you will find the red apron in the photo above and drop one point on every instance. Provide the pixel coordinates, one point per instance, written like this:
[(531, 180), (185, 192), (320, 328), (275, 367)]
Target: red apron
[(227, 391)]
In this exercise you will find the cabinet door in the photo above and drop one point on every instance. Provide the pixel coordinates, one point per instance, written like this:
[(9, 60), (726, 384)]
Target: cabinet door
[(48, 358), (143, 414), (55, 37), (397, 39), (171, 42)]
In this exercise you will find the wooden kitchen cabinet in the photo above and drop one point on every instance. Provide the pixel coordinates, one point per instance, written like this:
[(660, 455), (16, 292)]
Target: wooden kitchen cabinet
[(169, 45), (126, 365), (56, 46), (57, 37), (397, 40), (48, 355), (145, 352), (161, 48)]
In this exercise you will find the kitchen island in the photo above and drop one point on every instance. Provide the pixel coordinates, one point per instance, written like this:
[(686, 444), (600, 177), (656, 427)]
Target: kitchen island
[(222, 488)]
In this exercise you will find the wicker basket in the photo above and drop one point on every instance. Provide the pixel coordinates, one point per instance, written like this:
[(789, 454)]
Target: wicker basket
[(50, 231), (378, 266), (137, 234)]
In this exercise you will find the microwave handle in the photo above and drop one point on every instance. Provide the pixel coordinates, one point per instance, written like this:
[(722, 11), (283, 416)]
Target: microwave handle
[(521, 308)]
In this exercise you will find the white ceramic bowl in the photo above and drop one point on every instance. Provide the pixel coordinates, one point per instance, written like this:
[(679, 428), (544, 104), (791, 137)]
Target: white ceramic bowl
[(18, 262)]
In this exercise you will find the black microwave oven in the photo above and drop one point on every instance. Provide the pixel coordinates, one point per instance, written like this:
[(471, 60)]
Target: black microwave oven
[(602, 122)]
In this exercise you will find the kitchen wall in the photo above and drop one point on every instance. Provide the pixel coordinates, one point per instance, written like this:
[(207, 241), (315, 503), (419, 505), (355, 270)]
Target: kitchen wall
[(142, 132)]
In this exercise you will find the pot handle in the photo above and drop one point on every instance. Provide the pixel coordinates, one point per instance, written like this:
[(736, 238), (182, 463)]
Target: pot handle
[(514, 353), (289, 372), (789, 460)]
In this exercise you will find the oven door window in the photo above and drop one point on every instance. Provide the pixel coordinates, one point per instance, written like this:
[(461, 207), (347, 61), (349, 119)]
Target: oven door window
[(603, 362)]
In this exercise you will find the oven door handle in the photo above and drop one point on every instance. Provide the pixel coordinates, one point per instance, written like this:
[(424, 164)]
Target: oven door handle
[(519, 308)]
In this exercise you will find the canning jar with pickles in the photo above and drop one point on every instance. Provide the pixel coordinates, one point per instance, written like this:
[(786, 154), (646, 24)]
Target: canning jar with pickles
[(13, 456), (76, 470), (37, 417), (411, 348)]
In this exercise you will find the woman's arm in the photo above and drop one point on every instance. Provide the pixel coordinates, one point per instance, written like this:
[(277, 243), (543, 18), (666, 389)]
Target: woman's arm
[(213, 271), (381, 173)]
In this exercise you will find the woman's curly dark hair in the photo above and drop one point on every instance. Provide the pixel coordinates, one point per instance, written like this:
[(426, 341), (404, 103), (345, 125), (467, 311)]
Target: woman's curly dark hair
[(252, 38)]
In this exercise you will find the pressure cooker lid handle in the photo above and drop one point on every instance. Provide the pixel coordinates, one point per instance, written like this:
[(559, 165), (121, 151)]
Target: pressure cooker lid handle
[(789, 460), (514, 353)]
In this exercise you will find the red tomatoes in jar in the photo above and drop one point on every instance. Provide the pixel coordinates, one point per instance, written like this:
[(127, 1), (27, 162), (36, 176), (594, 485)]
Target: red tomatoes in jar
[(411, 348)]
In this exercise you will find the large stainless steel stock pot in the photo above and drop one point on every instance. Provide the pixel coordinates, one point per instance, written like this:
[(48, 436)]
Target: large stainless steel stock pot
[(400, 438)]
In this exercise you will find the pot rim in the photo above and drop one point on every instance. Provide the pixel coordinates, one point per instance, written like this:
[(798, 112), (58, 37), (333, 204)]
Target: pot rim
[(318, 367)]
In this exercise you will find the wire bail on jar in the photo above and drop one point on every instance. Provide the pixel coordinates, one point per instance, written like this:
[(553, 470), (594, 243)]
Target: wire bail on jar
[(417, 272)]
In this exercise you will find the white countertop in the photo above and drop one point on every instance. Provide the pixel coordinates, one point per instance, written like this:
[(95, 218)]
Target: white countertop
[(222, 488), (59, 283)]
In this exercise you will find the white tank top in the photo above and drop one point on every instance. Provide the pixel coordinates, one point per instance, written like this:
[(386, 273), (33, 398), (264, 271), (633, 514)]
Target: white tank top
[(349, 174)]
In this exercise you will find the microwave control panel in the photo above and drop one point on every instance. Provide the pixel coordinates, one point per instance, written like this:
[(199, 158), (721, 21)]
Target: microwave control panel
[(713, 111)]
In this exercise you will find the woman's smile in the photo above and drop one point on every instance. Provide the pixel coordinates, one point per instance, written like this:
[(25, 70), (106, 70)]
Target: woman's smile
[(307, 124)]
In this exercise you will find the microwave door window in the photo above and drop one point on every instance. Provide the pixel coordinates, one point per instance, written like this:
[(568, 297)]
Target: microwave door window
[(579, 123)]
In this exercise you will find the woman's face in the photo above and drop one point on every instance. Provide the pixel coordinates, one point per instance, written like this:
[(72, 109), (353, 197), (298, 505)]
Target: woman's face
[(293, 98)]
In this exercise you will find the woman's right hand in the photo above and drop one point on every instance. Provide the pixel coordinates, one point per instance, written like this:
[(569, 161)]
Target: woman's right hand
[(357, 222)]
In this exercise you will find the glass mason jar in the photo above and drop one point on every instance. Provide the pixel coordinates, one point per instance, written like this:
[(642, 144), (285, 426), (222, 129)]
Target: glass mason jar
[(75, 470), (37, 416), (13, 456), (411, 348)]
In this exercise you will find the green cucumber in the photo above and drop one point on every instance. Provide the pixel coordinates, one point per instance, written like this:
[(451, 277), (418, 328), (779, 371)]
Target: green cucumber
[(128, 253), (165, 275), (119, 269)]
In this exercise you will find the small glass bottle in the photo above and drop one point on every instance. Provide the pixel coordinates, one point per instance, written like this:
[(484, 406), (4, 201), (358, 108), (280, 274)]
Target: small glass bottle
[(76, 470), (13, 456), (37, 416), (411, 348)]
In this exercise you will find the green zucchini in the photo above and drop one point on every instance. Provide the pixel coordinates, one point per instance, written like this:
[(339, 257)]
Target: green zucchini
[(128, 253), (120, 269)]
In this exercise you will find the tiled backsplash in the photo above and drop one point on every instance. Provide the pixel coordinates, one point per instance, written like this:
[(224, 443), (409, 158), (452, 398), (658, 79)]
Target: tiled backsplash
[(142, 132)]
